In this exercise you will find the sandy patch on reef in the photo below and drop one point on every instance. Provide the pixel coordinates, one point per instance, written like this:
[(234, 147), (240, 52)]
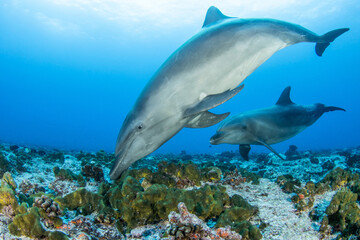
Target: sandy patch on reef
[(278, 212)]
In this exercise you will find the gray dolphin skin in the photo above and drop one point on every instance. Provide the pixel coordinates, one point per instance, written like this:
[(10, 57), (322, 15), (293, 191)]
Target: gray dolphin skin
[(203, 73), (269, 125)]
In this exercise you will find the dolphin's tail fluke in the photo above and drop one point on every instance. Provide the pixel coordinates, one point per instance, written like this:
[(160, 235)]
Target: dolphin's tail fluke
[(327, 38), (332, 108)]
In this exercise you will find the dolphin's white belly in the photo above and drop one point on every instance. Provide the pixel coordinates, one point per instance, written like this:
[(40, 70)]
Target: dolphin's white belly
[(218, 74), (239, 62)]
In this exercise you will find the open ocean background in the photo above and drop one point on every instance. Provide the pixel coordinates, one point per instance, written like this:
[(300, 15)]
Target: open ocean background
[(70, 70)]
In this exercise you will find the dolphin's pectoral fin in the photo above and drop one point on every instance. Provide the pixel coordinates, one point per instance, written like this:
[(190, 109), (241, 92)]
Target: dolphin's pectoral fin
[(271, 149), (326, 39), (244, 150), (206, 119), (212, 101), (213, 15)]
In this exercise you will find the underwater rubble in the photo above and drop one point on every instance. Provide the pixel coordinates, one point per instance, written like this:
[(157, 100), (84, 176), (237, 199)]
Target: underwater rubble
[(53, 194)]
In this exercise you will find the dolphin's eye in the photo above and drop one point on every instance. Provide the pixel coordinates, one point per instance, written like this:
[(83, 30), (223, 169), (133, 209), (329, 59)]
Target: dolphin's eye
[(140, 126)]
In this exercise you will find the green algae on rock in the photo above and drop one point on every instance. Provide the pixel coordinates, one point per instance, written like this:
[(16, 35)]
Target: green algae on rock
[(8, 199), (168, 168), (137, 206), (344, 213), (179, 174), (56, 235), (249, 176), (66, 174), (305, 204), (288, 184), (162, 178), (310, 187), (174, 175), (28, 224), (246, 230), (8, 181), (211, 174), (237, 217), (83, 201), (190, 172), (335, 179), (156, 202)]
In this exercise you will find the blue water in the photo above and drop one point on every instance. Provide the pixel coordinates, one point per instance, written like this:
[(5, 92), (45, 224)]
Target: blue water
[(71, 70)]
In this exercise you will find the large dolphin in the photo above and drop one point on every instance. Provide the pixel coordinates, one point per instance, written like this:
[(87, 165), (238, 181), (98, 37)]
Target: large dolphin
[(203, 73), (269, 125)]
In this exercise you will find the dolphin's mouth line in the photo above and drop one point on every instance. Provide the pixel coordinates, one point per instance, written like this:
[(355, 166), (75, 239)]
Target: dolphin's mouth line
[(120, 155), (129, 135), (124, 152), (216, 138)]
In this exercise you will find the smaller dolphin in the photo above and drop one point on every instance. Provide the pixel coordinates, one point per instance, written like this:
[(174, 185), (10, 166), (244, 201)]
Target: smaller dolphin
[(269, 125)]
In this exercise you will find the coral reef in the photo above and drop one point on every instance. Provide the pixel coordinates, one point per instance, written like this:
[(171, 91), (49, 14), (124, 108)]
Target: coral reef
[(28, 188), (237, 176), (4, 165), (225, 197), (54, 157), (51, 208), (353, 161), (101, 158), (184, 225), (292, 153), (93, 172), (14, 148)]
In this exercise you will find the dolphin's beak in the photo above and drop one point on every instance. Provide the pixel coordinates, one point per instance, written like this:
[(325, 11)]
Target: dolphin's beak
[(117, 167), (216, 138), (122, 161)]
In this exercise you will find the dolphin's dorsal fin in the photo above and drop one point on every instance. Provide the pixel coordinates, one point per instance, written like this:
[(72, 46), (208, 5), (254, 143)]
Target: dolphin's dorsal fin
[(213, 15), (284, 98)]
